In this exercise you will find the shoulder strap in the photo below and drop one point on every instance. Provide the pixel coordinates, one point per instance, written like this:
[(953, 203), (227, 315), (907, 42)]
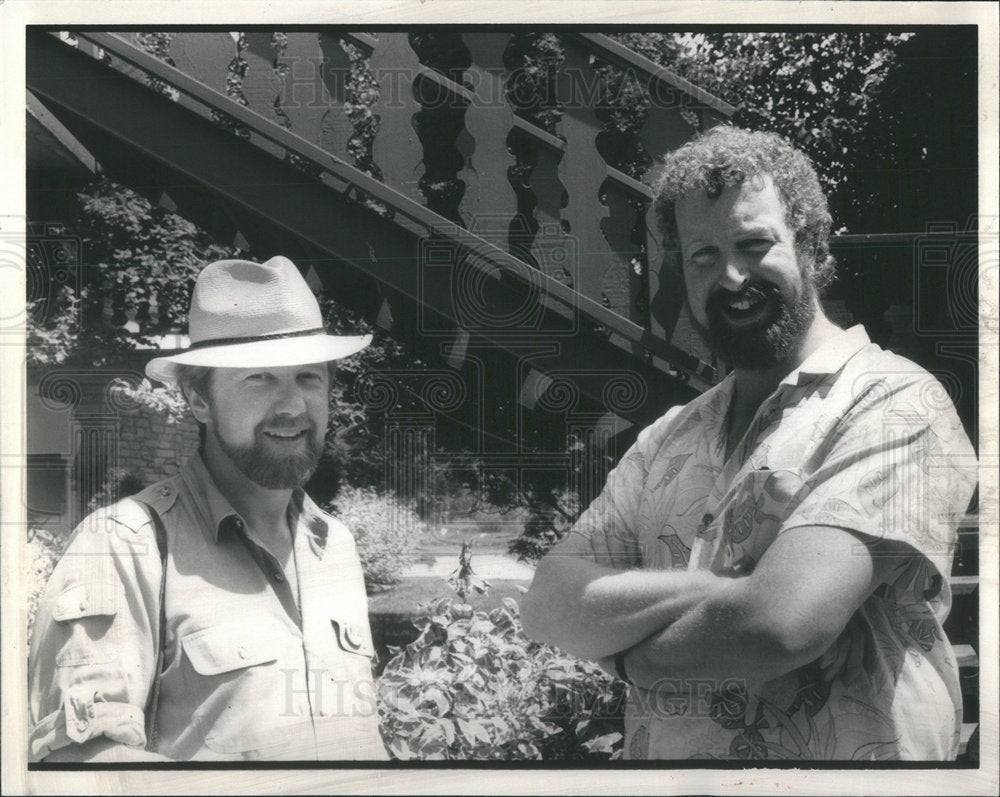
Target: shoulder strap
[(154, 693)]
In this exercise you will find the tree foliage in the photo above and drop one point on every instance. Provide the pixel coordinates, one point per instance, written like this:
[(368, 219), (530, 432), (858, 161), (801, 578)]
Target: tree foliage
[(137, 270), (883, 115)]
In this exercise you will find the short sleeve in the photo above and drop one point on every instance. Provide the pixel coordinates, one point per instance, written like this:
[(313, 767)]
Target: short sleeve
[(609, 524), (899, 468), (92, 651)]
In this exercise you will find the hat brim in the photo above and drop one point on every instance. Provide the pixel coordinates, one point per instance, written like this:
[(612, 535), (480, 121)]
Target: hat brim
[(260, 354)]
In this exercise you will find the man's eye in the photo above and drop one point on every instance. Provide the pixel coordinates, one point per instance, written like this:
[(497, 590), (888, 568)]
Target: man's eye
[(704, 255), (256, 378), (757, 244)]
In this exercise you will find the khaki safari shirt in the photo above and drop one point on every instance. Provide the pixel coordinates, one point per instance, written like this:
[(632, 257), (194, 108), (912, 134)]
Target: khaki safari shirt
[(856, 438), (250, 671)]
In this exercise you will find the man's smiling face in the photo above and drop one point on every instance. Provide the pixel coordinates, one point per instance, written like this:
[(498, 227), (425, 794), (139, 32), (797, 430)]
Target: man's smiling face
[(271, 422), (745, 288)]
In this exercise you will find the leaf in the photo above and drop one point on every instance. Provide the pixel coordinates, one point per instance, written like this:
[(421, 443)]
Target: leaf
[(465, 726), (449, 731), (404, 705), (399, 749), (437, 697), (603, 744), (479, 730), (481, 627)]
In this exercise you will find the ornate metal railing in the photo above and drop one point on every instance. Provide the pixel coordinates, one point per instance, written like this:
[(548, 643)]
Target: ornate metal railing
[(542, 205)]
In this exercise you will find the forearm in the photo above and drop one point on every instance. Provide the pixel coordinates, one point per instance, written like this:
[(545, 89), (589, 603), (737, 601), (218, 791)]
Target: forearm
[(721, 637), (593, 611)]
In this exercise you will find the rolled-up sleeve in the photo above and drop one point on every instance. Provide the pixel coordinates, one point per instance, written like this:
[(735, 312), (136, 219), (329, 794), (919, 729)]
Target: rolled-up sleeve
[(93, 649)]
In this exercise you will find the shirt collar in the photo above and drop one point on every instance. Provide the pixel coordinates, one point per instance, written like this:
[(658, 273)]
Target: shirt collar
[(211, 505), (830, 357), (213, 508)]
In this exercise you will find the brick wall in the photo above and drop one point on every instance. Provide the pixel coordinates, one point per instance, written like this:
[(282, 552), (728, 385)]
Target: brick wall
[(78, 433), (152, 448)]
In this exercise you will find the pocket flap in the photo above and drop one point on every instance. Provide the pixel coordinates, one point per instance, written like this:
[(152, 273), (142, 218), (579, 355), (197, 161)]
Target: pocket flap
[(227, 647), (354, 637), (90, 599)]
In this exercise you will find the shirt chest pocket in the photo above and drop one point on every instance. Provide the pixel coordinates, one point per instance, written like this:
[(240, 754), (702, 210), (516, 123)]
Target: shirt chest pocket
[(227, 648), (232, 675), (748, 519)]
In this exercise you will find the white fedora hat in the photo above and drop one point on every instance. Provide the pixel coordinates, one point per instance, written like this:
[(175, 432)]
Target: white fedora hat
[(255, 315)]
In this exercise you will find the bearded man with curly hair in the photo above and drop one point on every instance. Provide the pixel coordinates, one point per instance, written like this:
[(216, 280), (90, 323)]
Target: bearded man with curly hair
[(768, 565)]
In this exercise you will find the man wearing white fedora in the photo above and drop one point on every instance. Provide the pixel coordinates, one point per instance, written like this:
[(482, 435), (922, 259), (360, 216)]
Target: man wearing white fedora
[(218, 614)]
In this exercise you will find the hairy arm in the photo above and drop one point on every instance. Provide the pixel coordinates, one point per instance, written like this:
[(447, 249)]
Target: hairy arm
[(592, 610), (788, 612)]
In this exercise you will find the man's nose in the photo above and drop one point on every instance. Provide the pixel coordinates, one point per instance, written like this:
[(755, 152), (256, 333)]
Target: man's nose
[(290, 399), (734, 274)]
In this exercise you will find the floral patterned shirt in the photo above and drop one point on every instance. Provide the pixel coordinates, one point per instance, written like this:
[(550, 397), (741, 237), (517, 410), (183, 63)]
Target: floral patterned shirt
[(856, 438)]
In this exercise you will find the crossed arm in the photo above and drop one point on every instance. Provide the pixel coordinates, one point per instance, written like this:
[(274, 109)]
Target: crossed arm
[(693, 624)]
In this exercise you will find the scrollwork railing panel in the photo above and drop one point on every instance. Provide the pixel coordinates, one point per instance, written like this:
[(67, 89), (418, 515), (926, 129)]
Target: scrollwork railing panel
[(582, 171), (397, 150), (206, 57), (488, 123)]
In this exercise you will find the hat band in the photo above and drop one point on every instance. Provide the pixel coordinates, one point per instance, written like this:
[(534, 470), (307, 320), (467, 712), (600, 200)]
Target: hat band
[(201, 344)]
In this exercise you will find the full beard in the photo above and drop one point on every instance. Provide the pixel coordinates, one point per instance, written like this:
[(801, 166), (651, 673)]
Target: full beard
[(772, 340), (270, 469)]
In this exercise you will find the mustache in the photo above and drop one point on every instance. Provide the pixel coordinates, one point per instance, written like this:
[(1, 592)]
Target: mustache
[(753, 291), (286, 425)]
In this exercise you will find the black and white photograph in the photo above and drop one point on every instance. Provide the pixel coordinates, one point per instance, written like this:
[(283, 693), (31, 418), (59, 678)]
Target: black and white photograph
[(460, 398)]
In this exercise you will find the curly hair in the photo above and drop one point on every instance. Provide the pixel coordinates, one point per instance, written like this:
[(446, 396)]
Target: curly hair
[(726, 156)]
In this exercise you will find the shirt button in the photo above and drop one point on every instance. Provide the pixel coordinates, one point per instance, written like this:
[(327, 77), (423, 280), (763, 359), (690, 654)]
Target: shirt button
[(83, 606), (278, 577), (164, 491), (706, 519), (242, 652), (238, 523), (82, 725)]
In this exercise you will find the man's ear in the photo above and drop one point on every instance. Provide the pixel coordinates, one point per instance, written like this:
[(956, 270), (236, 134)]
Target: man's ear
[(200, 408)]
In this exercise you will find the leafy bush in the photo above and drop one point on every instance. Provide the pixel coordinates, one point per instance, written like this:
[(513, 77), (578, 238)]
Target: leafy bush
[(386, 529), (472, 686), (40, 556), (167, 401)]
